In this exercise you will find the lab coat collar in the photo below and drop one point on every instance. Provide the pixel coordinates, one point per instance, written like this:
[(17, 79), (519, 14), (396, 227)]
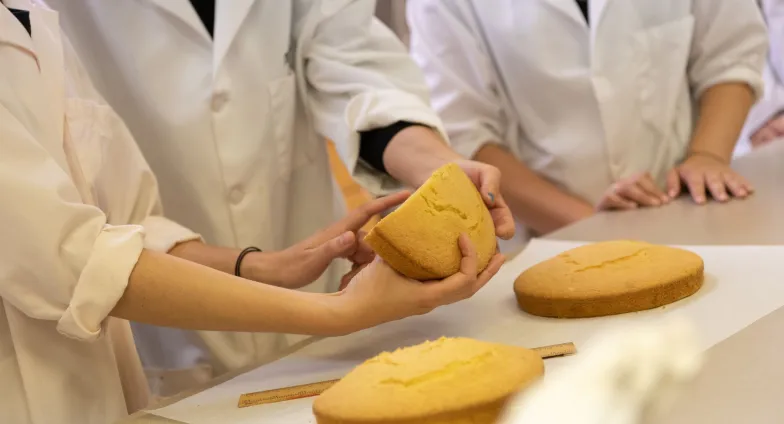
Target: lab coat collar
[(229, 17), (596, 9), (570, 9), (12, 32), (48, 42), (184, 11), (46, 48)]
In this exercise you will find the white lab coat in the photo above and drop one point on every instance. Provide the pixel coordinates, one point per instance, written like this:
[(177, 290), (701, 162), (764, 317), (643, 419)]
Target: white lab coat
[(231, 127), (772, 101), (583, 106), (76, 193)]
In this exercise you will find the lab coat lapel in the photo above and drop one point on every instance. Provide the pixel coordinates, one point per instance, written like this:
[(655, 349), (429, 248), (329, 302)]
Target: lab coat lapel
[(13, 33), (48, 43), (568, 8), (596, 10), (184, 11), (229, 17)]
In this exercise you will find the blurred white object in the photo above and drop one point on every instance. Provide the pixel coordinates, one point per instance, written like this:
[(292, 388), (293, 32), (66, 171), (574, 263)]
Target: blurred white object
[(628, 376)]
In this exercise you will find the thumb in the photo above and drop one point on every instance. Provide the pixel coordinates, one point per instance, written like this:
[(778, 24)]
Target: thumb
[(673, 183), (339, 247)]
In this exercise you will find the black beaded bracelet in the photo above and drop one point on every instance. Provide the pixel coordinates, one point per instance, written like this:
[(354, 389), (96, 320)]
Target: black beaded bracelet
[(242, 256)]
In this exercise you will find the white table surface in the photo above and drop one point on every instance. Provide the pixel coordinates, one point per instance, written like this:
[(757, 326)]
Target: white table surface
[(756, 221)]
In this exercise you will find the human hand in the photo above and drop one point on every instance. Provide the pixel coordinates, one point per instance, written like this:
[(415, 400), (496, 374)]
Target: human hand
[(487, 179), (772, 129), (632, 192), (378, 294), (304, 262), (701, 170)]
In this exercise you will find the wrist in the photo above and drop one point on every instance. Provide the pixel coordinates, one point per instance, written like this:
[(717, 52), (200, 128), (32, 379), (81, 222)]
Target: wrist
[(708, 154), (337, 317), (580, 211), (261, 267), (415, 152)]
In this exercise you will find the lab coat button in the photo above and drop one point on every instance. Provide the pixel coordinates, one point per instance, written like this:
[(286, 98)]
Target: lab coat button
[(219, 101), (236, 196)]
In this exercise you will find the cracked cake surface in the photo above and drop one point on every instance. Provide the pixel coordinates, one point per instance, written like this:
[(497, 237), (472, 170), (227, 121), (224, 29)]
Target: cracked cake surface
[(419, 239), (609, 278), (450, 380)]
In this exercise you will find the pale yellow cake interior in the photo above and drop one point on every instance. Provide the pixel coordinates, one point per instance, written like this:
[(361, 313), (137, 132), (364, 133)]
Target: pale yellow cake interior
[(420, 238)]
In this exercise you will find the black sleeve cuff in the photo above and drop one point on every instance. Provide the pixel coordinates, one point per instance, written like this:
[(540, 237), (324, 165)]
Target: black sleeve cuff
[(372, 143)]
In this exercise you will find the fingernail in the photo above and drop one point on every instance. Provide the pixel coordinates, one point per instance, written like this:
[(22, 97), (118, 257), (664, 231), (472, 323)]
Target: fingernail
[(665, 199), (492, 197), (345, 239), (673, 193), (700, 199)]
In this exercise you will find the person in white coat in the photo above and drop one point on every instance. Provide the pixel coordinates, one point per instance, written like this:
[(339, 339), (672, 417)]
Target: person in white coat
[(766, 119), (84, 249), (231, 102), (593, 104)]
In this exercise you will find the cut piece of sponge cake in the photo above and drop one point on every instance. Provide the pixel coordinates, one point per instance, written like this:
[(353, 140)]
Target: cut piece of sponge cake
[(447, 381), (608, 278), (420, 238)]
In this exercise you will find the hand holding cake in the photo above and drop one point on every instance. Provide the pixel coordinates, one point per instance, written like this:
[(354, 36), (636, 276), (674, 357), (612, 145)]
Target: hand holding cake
[(379, 294)]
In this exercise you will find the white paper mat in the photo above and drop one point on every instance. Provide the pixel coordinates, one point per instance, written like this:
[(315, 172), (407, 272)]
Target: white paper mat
[(742, 284)]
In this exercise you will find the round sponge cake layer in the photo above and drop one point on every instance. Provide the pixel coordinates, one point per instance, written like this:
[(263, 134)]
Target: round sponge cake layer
[(609, 278), (446, 381), (420, 238)]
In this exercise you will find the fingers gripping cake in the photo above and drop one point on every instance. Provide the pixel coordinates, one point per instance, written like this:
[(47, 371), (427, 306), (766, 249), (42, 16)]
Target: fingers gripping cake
[(419, 239)]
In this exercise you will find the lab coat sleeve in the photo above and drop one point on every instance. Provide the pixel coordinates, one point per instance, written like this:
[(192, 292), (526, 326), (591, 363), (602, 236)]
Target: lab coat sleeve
[(458, 70), (59, 259), (729, 45), (128, 187), (768, 107), (360, 77), (772, 102), (774, 17), (132, 191)]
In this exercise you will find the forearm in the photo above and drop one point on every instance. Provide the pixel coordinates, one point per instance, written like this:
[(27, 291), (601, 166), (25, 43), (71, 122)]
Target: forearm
[(536, 202), (170, 292), (414, 153), (723, 112), (256, 266), (219, 258)]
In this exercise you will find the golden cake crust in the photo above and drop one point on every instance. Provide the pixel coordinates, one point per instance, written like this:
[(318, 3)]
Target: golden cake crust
[(609, 278), (446, 381), (419, 239)]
